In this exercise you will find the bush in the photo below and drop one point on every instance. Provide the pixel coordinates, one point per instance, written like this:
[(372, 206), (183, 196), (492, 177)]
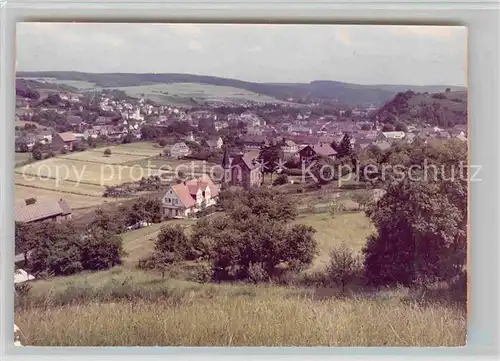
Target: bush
[(280, 180), (256, 273), (107, 152), (162, 142), (29, 201), (37, 152), (172, 243), (203, 273), (438, 96), (344, 265), (101, 250)]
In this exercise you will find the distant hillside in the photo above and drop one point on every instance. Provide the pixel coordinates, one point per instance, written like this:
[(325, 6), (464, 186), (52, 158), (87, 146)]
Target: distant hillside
[(444, 109), (321, 90)]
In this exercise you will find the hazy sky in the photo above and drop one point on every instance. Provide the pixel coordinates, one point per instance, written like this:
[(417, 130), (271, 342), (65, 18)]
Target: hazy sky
[(361, 54)]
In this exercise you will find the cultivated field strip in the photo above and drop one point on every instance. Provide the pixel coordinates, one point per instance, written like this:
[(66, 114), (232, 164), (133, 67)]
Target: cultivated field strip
[(64, 186), (99, 157), (75, 201), (134, 149)]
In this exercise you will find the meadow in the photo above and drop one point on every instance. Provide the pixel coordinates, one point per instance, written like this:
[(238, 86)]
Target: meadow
[(242, 315), (75, 201), (206, 92)]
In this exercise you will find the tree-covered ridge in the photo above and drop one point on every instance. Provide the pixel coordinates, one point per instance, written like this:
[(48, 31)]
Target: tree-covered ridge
[(442, 109), (318, 90)]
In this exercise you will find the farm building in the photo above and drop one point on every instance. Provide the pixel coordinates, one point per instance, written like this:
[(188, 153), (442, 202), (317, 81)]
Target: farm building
[(179, 150), (189, 197), (64, 140), (43, 211)]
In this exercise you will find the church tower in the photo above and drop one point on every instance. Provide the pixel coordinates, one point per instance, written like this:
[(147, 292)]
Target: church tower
[(226, 168)]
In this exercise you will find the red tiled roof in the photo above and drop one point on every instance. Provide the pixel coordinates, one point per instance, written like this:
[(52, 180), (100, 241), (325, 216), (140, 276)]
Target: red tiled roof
[(183, 194), (42, 210)]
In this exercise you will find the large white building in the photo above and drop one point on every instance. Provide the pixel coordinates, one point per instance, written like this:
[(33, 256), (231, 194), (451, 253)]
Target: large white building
[(184, 199)]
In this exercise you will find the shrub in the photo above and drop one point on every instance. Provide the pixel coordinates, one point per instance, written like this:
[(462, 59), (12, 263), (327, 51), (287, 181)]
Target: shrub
[(29, 201), (280, 180), (162, 142), (101, 250), (37, 152), (344, 265), (107, 152), (203, 273), (256, 273), (172, 243)]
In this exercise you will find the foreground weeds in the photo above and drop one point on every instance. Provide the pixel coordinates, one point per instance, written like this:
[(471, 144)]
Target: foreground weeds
[(135, 309)]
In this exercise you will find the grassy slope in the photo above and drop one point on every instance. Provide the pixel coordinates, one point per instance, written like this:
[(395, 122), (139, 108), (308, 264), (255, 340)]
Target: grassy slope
[(132, 307)]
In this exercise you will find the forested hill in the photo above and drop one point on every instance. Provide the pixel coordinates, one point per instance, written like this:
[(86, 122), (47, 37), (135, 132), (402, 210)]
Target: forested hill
[(444, 109), (321, 90)]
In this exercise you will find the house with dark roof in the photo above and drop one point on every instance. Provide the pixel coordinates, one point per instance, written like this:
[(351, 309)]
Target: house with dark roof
[(186, 198), (321, 149), (253, 141), (242, 170), (43, 211), (64, 140), (76, 122)]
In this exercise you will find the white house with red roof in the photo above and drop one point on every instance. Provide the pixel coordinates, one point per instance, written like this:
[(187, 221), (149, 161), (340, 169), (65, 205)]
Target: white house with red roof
[(189, 197)]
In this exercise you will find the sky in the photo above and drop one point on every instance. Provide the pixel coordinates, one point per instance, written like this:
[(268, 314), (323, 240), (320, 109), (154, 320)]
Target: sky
[(363, 54)]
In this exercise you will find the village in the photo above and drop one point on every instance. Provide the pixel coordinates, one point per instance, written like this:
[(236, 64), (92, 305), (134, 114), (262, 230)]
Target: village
[(231, 141), (122, 200)]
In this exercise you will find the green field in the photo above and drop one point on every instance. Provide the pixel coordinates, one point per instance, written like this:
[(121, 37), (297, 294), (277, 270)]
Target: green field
[(351, 228), (63, 186), (144, 149), (82, 176), (204, 92), (81, 85), (75, 201), (99, 157)]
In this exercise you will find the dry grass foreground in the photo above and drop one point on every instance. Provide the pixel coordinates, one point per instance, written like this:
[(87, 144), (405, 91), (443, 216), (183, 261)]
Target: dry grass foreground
[(241, 315)]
